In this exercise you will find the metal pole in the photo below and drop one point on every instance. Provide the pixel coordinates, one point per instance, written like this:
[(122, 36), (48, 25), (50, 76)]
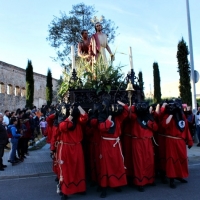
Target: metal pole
[(194, 103)]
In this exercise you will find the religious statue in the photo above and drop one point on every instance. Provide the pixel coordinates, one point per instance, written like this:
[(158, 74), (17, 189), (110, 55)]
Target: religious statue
[(84, 47), (99, 43)]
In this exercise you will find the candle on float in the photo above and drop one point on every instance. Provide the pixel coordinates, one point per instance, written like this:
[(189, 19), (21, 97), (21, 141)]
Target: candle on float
[(73, 57), (130, 58)]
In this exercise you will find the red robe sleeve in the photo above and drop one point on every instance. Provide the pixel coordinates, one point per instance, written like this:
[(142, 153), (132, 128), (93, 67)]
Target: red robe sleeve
[(163, 121), (105, 126), (124, 113), (65, 125), (133, 115), (93, 122), (50, 119), (152, 125), (83, 118)]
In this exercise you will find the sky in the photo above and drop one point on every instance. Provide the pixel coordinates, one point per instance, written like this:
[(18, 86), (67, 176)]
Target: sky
[(152, 28)]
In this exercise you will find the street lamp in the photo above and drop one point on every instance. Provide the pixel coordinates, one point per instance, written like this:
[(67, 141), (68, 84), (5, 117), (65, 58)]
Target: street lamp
[(194, 103)]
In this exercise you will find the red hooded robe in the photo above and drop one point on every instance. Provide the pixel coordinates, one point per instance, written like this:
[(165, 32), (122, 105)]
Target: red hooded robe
[(71, 158)]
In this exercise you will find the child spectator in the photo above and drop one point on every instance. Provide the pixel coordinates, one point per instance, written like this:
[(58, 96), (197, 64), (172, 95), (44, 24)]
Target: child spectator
[(43, 126)]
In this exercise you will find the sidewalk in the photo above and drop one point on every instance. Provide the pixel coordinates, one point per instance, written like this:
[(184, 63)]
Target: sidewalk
[(39, 163)]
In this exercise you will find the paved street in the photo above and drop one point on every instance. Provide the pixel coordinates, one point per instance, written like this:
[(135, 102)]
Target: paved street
[(33, 179), (45, 188)]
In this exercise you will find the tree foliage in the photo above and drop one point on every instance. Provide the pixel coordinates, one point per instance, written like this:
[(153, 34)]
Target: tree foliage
[(29, 85), (157, 89), (49, 88), (64, 31), (184, 72)]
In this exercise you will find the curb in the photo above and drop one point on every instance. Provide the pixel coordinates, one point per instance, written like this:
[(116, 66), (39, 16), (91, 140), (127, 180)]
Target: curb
[(38, 142), (26, 176)]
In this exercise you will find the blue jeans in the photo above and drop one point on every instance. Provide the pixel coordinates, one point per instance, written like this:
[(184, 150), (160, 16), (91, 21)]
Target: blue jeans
[(14, 142), (198, 133)]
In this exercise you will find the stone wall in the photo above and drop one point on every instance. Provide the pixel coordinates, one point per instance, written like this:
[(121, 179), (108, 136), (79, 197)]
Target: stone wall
[(13, 84)]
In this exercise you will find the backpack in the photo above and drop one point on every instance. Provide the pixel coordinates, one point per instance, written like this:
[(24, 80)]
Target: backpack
[(9, 133)]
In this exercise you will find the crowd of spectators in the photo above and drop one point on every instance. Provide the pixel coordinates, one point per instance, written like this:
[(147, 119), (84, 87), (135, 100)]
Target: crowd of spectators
[(19, 129)]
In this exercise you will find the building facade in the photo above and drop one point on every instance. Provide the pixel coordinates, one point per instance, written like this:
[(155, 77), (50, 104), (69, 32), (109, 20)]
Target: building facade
[(13, 88)]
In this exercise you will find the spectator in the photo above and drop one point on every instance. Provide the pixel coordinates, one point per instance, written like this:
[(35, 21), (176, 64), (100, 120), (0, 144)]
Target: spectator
[(14, 139), (36, 122), (6, 123), (6, 118), (43, 126), (43, 110), (197, 120), (38, 113), (27, 134), (34, 109), (3, 142), (190, 119), (22, 141)]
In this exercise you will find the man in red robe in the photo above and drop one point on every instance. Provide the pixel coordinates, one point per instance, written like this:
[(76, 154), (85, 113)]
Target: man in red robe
[(143, 126), (50, 120), (70, 153), (94, 139), (177, 136), (112, 169), (161, 162), (127, 149)]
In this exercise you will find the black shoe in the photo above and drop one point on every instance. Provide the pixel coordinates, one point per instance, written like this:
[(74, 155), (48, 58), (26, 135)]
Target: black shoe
[(82, 193), (103, 194), (99, 188), (181, 180), (24, 156), (118, 189), (198, 145), (140, 188), (60, 193), (164, 180), (93, 184), (152, 184), (14, 162), (64, 197), (9, 160), (3, 166), (172, 184), (1, 169)]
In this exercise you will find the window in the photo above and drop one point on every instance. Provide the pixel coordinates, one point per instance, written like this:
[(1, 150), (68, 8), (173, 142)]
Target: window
[(2, 88), (23, 92), (9, 89), (17, 91)]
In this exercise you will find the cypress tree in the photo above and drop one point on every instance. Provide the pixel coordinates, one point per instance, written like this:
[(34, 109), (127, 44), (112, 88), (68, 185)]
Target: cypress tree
[(49, 88), (157, 89), (140, 80), (184, 72), (29, 85)]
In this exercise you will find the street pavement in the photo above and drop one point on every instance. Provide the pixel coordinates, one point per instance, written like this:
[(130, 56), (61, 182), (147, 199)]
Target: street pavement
[(39, 163), (34, 179)]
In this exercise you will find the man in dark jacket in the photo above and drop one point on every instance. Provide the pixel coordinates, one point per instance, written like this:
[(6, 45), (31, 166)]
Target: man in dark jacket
[(3, 142)]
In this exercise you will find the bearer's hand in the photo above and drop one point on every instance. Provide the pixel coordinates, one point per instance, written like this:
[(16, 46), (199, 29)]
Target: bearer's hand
[(109, 117), (121, 103)]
